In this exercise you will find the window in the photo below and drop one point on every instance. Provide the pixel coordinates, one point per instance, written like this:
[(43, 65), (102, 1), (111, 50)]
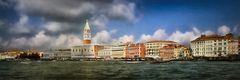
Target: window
[(219, 43), (225, 43), (219, 48)]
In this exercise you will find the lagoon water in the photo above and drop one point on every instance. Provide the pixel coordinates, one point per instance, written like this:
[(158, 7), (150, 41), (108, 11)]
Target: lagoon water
[(117, 70)]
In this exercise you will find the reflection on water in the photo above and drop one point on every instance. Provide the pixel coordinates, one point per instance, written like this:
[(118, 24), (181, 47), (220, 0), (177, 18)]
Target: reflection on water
[(74, 70)]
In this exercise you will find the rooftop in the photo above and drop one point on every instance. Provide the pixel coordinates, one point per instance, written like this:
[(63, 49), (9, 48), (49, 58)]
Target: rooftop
[(214, 37), (161, 41)]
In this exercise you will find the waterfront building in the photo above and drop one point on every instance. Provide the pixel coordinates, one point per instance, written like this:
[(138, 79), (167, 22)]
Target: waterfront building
[(239, 46), (48, 54), (167, 52), (11, 54), (4, 55), (233, 47), (86, 50), (182, 52), (112, 52), (211, 45), (106, 52), (59, 54), (62, 54), (135, 50), (152, 47), (118, 51)]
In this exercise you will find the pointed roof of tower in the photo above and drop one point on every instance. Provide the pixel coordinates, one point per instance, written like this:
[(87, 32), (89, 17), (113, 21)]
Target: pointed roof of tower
[(86, 25)]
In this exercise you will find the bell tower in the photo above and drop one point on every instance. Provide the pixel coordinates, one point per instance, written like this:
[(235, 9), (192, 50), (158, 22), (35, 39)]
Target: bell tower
[(86, 34)]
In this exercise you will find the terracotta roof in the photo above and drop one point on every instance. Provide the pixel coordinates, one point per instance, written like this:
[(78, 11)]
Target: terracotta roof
[(160, 41), (214, 37), (135, 45), (170, 46)]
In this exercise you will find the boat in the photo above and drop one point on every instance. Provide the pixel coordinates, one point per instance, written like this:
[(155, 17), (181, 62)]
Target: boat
[(25, 62), (132, 62), (157, 61)]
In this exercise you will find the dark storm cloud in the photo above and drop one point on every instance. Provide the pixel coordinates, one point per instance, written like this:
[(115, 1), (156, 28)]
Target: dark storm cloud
[(73, 13), (77, 10), (58, 19)]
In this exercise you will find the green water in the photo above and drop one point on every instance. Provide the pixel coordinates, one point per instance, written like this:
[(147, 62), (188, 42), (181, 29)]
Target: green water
[(75, 70)]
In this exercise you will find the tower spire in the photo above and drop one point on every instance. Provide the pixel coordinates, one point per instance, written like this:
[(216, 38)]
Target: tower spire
[(87, 34)]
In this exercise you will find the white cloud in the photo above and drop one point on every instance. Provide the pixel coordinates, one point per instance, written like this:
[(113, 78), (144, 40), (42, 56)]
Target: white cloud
[(183, 37), (145, 38), (126, 38), (208, 32), (43, 41), (178, 36), (196, 30), (102, 37), (53, 26), (105, 37), (74, 40), (121, 10), (159, 34), (99, 21), (21, 26), (40, 40), (224, 30)]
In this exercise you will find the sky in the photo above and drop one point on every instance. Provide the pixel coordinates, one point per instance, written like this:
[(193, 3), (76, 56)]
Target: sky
[(44, 24)]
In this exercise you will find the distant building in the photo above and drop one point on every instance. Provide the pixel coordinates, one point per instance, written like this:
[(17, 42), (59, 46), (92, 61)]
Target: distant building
[(212, 45), (59, 54), (112, 52), (135, 50), (152, 47), (233, 47), (239, 46), (167, 52), (62, 54), (48, 54), (85, 50), (106, 52), (182, 52), (11, 54), (118, 51)]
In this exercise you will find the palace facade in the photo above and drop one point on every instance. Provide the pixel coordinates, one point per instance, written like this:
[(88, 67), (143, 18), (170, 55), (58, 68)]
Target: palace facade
[(214, 46)]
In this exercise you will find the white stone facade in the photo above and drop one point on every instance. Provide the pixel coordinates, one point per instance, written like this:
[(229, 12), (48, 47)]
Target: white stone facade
[(83, 51), (112, 51), (211, 46)]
